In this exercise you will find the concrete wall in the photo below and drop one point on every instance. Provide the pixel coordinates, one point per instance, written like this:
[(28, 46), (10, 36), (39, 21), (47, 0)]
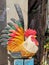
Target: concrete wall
[(11, 12)]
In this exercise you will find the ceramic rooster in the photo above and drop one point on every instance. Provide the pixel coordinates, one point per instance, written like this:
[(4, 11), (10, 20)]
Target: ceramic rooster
[(19, 40)]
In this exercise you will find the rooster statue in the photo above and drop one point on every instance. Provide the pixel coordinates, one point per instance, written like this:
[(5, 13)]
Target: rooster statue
[(17, 40)]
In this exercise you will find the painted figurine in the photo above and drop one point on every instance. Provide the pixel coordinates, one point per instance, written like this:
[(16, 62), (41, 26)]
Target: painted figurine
[(18, 40)]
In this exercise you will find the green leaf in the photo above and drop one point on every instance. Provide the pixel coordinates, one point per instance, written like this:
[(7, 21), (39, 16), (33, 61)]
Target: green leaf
[(48, 47), (47, 40), (44, 46)]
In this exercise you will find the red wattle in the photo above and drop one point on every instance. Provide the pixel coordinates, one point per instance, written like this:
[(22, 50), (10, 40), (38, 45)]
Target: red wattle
[(34, 40)]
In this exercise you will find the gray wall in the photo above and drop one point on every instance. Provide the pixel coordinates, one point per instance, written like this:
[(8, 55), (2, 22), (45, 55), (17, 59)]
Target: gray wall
[(11, 12), (2, 14), (3, 53)]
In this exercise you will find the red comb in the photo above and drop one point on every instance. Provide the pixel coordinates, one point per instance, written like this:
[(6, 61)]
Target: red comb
[(29, 32)]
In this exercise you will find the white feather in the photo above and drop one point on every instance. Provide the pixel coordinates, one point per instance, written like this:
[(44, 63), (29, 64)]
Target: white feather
[(30, 46)]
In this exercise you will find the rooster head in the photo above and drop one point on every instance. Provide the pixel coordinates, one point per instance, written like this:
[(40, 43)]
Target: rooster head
[(29, 32), (32, 33)]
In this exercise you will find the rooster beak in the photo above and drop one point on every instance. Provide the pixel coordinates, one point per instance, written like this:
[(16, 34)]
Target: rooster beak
[(35, 36)]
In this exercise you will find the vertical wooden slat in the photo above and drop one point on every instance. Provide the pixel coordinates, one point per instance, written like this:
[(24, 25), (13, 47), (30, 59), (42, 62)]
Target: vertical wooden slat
[(29, 61), (24, 61), (18, 62)]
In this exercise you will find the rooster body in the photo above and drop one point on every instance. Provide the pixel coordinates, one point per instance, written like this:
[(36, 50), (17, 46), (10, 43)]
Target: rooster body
[(19, 40), (27, 47)]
